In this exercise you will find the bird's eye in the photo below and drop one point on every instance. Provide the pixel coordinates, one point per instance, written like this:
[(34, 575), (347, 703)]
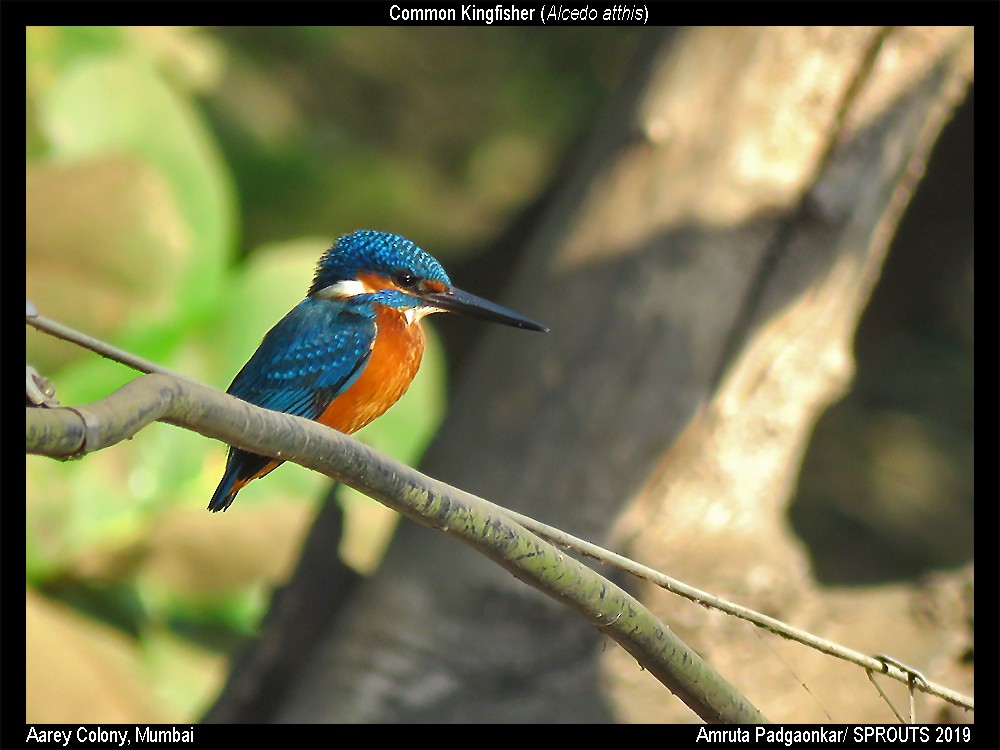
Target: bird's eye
[(406, 280)]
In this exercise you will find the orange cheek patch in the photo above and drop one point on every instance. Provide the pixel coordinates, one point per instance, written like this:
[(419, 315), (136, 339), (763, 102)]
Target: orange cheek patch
[(436, 286), (375, 283)]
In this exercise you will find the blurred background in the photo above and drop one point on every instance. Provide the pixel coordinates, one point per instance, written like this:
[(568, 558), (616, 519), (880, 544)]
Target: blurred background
[(181, 184)]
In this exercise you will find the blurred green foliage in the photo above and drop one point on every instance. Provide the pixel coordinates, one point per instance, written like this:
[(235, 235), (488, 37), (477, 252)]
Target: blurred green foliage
[(439, 134), (149, 153)]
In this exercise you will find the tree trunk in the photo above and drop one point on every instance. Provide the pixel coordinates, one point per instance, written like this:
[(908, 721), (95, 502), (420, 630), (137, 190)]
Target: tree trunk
[(702, 270)]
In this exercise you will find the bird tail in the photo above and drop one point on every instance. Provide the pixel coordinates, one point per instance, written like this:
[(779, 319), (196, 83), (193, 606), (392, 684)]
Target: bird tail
[(225, 493), (241, 469)]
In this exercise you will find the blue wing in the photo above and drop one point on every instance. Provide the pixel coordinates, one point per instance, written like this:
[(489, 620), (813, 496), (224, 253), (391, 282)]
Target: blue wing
[(310, 357)]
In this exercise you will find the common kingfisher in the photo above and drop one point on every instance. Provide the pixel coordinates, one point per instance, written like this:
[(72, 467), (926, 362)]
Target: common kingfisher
[(349, 350)]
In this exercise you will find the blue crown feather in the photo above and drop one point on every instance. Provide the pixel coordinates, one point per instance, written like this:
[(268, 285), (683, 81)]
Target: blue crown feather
[(379, 252)]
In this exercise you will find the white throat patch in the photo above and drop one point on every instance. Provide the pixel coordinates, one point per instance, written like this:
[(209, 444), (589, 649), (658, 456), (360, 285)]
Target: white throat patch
[(414, 314)]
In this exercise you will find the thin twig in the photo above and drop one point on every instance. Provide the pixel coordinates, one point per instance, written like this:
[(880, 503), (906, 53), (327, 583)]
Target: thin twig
[(106, 350), (870, 663), (871, 676)]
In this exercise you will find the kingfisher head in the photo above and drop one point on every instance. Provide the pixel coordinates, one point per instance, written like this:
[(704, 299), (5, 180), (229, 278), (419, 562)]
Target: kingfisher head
[(381, 268)]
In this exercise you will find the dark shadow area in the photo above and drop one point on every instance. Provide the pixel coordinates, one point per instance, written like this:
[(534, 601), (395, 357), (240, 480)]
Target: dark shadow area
[(886, 487)]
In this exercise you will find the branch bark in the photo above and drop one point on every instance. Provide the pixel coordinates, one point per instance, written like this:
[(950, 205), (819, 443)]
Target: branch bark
[(481, 525)]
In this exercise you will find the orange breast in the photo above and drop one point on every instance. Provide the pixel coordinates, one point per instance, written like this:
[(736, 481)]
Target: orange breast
[(394, 361)]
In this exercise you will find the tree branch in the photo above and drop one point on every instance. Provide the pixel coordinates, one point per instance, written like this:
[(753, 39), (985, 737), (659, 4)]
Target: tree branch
[(71, 433)]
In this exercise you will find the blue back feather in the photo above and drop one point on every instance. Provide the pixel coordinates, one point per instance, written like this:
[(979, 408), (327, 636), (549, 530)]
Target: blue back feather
[(311, 356)]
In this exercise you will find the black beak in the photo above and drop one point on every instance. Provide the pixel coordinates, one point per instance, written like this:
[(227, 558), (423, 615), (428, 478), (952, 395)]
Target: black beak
[(455, 300)]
